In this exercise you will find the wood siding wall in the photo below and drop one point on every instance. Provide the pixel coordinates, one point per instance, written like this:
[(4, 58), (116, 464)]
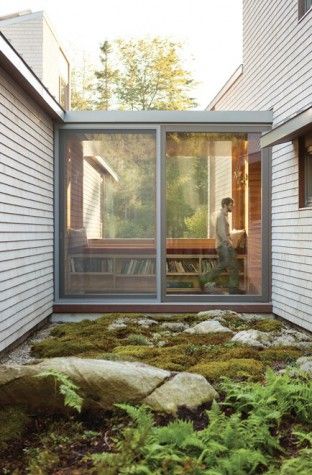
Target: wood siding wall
[(26, 213), (277, 56)]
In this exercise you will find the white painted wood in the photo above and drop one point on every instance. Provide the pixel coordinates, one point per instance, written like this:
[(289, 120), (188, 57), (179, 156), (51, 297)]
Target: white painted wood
[(26, 212), (277, 57)]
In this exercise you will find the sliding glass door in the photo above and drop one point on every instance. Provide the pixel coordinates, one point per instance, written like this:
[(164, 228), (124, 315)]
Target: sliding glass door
[(109, 212), (154, 212), (213, 213)]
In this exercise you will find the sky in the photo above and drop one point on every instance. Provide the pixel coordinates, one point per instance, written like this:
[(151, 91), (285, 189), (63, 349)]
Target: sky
[(210, 30)]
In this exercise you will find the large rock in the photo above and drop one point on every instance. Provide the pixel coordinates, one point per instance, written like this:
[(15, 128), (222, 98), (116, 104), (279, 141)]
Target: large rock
[(253, 338), (282, 338), (208, 326), (101, 384), (184, 389)]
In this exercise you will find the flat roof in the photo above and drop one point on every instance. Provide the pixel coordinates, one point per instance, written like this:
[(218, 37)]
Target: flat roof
[(290, 129), (261, 118)]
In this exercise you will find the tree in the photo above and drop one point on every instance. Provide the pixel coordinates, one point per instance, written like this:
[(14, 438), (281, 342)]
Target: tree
[(82, 86), (152, 76), (107, 77)]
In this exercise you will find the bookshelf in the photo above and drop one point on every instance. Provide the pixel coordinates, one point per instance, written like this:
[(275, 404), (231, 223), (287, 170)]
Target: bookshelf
[(183, 271), (105, 273)]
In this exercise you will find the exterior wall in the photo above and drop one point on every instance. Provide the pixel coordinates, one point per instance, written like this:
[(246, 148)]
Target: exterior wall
[(277, 56), (34, 39), (26, 213), (26, 36), (55, 65)]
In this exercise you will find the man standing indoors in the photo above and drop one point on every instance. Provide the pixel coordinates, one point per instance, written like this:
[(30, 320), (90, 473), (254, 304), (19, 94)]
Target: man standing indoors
[(225, 249)]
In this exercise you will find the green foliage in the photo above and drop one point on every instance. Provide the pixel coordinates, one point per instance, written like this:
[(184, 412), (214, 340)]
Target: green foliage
[(246, 439), (13, 421), (59, 435), (66, 387), (282, 395), (107, 77), (40, 461), (151, 76), (196, 225)]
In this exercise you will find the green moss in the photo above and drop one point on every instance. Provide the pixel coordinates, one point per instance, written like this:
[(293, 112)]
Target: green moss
[(191, 339), (13, 421), (232, 368), (285, 354), (235, 323), (267, 325), (137, 351), (137, 339)]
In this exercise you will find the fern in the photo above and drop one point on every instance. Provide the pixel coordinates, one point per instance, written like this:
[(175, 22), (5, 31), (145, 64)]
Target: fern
[(66, 387)]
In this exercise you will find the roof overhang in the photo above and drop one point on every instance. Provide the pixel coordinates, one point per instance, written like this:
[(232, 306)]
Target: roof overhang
[(289, 130), (262, 120), (19, 71)]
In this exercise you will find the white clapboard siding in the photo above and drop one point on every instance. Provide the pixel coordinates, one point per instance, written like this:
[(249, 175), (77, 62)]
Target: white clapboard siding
[(277, 58), (92, 181), (26, 213)]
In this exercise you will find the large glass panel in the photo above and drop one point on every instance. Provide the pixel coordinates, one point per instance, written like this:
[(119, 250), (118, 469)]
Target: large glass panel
[(213, 201), (108, 212)]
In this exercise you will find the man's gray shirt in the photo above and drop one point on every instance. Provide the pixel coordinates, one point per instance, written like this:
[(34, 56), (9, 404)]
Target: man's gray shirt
[(223, 236)]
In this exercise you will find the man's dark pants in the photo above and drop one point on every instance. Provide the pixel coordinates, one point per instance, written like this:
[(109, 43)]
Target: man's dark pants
[(227, 261)]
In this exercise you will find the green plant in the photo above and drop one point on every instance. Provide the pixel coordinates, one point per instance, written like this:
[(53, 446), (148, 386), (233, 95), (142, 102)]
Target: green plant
[(13, 421), (282, 395), (137, 339), (66, 387)]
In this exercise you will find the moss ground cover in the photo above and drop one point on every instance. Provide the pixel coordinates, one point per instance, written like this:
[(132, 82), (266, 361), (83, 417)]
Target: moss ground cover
[(260, 424), (212, 355)]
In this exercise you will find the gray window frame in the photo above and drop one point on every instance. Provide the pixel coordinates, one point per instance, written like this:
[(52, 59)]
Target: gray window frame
[(256, 122), (304, 6)]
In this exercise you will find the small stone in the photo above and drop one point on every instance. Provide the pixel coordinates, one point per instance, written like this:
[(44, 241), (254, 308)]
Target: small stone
[(208, 326), (184, 389), (305, 364), (299, 336), (146, 322), (116, 326), (217, 314), (175, 326), (251, 317)]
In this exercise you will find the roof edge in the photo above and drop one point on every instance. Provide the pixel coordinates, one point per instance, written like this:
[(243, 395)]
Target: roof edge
[(290, 129), (253, 118), (15, 65), (229, 83)]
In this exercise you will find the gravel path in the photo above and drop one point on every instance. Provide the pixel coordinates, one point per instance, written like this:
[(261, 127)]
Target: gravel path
[(21, 354)]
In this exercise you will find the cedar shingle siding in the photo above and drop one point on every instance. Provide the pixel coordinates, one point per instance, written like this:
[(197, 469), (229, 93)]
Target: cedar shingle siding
[(26, 212), (277, 57)]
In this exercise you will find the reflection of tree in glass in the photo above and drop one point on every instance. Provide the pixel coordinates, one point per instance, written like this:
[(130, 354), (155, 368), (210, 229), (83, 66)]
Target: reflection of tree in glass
[(187, 186), (129, 204)]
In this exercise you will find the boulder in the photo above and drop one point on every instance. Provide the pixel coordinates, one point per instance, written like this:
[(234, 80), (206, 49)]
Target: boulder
[(253, 338), (101, 384), (184, 389), (208, 326)]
